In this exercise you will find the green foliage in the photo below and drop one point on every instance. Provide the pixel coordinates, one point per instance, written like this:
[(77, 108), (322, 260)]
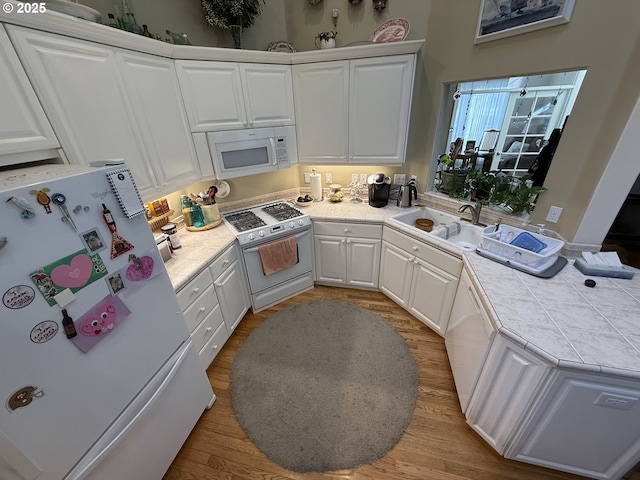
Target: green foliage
[(222, 13)]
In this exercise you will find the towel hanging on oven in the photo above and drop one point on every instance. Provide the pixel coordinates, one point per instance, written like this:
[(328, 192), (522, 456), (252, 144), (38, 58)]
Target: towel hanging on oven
[(280, 255)]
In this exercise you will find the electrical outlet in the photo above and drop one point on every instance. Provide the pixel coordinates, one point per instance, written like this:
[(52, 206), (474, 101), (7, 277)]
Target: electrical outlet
[(399, 179), (554, 214), (328, 178), (354, 178), (307, 177), (363, 178)]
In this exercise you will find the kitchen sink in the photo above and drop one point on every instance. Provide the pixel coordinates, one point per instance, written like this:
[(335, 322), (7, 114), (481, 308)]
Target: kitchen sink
[(468, 238)]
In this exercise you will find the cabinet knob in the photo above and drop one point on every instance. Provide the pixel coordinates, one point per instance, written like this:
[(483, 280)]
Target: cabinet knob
[(196, 290), (415, 249), (202, 309), (218, 285), (209, 329), (226, 262), (348, 242), (346, 230)]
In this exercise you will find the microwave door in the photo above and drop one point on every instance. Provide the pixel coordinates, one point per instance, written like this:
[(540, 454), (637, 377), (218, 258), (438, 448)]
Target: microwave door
[(247, 157)]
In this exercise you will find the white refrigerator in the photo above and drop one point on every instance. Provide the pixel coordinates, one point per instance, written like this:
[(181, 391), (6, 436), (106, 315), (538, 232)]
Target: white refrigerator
[(98, 377)]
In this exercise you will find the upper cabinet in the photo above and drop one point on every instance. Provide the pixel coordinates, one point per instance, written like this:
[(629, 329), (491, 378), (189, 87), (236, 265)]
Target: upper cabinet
[(228, 95), (354, 111), (106, 103), (25, 132)]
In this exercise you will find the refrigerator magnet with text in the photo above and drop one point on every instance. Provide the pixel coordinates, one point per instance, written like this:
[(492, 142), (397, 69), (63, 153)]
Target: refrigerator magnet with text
[(18, 296), (44, 331), (74, 271), (23, 397), (99, 322)]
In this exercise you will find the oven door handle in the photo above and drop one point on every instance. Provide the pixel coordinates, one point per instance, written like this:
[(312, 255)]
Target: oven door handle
[(298, 236)]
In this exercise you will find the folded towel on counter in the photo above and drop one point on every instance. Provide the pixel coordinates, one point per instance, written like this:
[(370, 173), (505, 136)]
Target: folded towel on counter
[(447, 230), (278, 255)]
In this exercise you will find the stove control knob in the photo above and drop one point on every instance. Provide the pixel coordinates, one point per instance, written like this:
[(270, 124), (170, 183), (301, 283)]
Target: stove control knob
[(300, 222), (251, 236), (261, 233), (291, 224)]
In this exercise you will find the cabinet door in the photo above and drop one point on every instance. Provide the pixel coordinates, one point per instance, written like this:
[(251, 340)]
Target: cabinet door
[(363, 262), (396, 269), (233, 295), (379, 107), (268, 94), (154, 93), (506, 387), (587, 425), (431, 296), (23, 124), (322, 111), (84, 97), (212, 93), (331, 259)]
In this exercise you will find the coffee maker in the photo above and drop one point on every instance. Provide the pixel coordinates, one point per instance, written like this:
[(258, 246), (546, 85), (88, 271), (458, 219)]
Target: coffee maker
[(379, 187)]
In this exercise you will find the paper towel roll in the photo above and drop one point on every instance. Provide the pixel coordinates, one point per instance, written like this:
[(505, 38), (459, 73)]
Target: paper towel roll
[(316, 186)]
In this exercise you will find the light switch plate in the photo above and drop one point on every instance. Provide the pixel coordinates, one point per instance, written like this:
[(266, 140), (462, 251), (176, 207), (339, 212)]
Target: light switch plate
[(354, 178), (363, 178), (307, 177), (328, 177)]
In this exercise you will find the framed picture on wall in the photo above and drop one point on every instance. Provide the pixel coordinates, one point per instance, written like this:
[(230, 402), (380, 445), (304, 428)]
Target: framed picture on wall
[(504, 18)]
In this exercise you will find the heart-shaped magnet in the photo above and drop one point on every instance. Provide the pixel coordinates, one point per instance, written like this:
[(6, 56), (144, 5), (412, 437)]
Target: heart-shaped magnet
[(74, 275)]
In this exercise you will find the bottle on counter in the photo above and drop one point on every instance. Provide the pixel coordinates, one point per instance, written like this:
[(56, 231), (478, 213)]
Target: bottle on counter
[(197, 216), (186, 204), (171, 231)]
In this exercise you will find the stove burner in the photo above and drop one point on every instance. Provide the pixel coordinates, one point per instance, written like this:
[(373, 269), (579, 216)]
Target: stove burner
[(246, 220), (282, 211)]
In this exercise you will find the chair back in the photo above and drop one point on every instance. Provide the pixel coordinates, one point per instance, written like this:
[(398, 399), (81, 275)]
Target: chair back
[(489, 141)]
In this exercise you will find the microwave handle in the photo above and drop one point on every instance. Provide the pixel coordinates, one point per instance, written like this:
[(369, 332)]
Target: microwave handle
[(272, 145)]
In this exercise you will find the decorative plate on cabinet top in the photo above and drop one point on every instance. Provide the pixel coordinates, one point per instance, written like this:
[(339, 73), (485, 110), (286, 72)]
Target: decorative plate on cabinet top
[(394, 30), (74, 9), (284, 47)]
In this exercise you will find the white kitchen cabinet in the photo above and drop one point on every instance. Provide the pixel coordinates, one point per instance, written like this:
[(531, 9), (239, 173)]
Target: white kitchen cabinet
[(154, 93), (583, 423), (505, 389), (347, 254), (227, 95), (419, 277), (25, 132), (231, 287), (203, 317), (321, 92), (354, 111), (105, 103)]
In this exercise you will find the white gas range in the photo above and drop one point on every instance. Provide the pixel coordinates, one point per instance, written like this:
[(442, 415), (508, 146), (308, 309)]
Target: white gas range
[(271, 231)]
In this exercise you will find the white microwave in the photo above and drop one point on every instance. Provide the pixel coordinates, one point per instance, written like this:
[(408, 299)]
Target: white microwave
[(236, 153)]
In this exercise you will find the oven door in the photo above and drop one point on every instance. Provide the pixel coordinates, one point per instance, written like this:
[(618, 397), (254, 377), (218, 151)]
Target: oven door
[(258, 281), (243, 152)]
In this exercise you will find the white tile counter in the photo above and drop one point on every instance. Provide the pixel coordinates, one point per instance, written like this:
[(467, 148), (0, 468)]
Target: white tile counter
[(560, 319)]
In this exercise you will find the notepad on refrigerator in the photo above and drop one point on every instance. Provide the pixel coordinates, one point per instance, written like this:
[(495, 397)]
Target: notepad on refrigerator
[(126, 192)]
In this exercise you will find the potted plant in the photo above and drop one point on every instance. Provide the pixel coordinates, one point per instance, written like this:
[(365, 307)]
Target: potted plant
[(453, 180), (481, 184), (515, 194), (326, 39), (234, 15)]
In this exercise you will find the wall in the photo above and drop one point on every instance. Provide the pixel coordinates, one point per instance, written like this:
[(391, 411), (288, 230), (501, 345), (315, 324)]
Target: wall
[(611, 86)]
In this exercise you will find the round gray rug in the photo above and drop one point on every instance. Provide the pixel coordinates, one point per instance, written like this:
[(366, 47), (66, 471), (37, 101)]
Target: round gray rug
[(324, 386)]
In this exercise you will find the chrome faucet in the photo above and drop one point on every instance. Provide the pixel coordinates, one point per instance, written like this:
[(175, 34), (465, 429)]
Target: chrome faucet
[(475, 211)]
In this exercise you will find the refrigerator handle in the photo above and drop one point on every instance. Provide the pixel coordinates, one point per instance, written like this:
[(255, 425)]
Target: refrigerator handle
[(121, 427), (14, 464)]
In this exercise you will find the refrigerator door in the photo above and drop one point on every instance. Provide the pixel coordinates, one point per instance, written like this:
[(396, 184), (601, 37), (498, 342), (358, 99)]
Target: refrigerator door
[(57, 399)]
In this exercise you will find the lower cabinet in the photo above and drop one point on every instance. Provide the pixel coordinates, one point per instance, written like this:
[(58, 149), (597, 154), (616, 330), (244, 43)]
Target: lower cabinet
[(347, 254), (231, 287), (213, 303), (584, 423), (505, 390), (419, 277)]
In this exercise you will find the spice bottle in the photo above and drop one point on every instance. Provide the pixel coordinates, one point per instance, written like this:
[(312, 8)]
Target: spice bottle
[(172, 231)]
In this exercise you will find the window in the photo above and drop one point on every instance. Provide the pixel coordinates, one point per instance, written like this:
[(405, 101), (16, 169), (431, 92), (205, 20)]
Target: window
[(524, 109)]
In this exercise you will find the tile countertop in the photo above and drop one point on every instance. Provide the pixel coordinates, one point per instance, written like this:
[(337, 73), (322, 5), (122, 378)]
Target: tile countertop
[(559, 319)]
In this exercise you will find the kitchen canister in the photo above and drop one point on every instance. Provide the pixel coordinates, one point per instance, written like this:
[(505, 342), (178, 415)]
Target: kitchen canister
[(211, 214), (171, 231)]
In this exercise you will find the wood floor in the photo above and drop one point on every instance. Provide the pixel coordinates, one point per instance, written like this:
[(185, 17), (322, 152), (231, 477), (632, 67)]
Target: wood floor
[(437, 445)]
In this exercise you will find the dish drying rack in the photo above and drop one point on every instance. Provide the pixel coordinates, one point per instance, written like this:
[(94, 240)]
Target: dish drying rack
[(526, 251)]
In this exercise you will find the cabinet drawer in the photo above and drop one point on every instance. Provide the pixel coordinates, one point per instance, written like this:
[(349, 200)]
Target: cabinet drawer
[(194, 289), (347, 229), (198, 310), (427, 253), (205, 330), (213, 346), (220, 264)]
